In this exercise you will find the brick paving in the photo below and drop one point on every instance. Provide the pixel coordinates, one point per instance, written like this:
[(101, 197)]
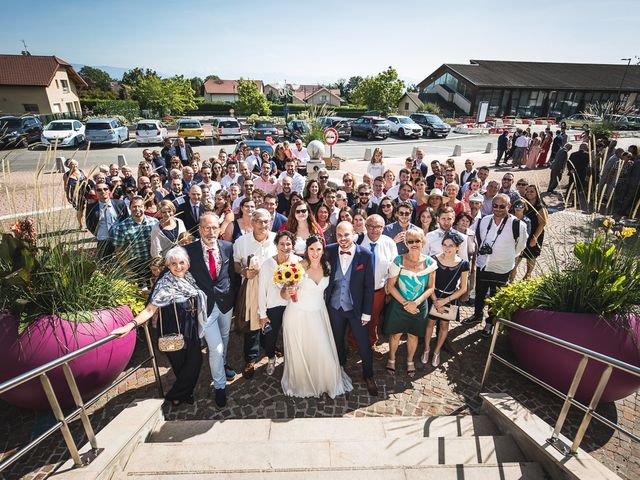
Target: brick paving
[(450, 389)]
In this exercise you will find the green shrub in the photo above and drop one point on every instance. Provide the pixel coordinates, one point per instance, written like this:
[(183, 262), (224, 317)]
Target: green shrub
[(128, 109)]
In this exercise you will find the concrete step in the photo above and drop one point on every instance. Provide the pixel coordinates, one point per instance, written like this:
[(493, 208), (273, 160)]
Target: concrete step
[(315, 429), (505, 471), (254, 455)]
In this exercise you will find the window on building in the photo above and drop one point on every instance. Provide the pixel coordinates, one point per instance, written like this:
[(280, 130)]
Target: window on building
[(31, 107), (65, 86), (70, 107), (406, 106), (323, 98), (56, 108), (57, 84)]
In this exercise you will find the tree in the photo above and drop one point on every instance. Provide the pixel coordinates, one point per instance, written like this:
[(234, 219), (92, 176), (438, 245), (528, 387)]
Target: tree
[(250, 100), (198, 86), (381, 92), (166, 96), (211, 77), (96, 79), (132, 78), (350, 86), (412, 88), (429, 107)]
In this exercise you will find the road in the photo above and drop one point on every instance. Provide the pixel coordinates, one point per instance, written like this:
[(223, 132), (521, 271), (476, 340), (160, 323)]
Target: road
[(25, 160)]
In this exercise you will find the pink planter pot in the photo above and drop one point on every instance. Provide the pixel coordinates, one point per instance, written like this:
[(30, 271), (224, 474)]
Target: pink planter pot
[(556, 366), (49, 338)]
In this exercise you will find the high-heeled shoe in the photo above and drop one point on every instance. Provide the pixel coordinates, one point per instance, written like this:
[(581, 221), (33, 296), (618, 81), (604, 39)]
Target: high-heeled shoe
[(425, 357), (436, 359), (411, 369), (391, 367)]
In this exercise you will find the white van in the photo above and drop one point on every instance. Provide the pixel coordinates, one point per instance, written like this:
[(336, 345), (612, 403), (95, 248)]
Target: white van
[(226, 128)]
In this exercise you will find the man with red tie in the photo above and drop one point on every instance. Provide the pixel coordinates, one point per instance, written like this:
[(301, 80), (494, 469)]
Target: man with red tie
[(213, 270)]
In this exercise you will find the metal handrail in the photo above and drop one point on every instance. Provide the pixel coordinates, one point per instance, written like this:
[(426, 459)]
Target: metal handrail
[(63, 420), (568, 398)]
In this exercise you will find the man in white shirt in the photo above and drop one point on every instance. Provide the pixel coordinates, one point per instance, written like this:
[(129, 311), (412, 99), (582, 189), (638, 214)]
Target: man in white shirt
[(207, 182), (249, 252), (468, 173), (232, 176), (501, 237), (248, 192), (482, 175), (521, 144), (434, 239), (384, 250), (487, 204), (300, 152), (403, 177), (297, 180), (253, 159), (378, 190)]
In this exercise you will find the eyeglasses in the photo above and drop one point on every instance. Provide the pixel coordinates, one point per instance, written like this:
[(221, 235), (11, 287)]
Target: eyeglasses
[(322, 177), (374, 227), (404, 214), (413, 242), (499, 206), (302, 210), (347, 180), (364, 194), (507, 180), (521, 184), (102, 189), (518, 205)]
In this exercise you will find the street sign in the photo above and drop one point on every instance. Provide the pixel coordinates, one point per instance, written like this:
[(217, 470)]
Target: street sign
[(330, 136)]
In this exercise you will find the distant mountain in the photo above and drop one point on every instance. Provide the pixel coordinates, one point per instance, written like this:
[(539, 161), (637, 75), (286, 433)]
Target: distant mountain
[(115, 72)]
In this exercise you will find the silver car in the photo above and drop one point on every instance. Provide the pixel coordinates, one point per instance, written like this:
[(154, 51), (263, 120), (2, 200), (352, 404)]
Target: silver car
[(404, 127)]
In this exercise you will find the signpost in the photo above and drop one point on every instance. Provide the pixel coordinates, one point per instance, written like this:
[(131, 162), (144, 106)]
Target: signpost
[(331, 137)]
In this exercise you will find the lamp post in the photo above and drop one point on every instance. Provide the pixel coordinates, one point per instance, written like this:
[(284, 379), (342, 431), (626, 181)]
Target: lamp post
[(284, 90), (624, 74)]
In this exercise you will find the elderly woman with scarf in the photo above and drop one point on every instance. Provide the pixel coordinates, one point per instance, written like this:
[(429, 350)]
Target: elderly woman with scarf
[(182, 309)]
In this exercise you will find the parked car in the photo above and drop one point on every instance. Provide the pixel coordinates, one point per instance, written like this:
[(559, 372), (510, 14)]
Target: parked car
[(262, 144), (432, 125), (150, 131), (296, 129), (67, 133), (404, 126), (106, 130), (19, 131), (226, 128), (261, 129), (191, 129), (580, 120), (342, 125), (618, 122), (634, 121), (370, 127)]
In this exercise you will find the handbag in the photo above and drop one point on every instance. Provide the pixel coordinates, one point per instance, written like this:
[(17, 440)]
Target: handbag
[(449, 312), (173, 341)]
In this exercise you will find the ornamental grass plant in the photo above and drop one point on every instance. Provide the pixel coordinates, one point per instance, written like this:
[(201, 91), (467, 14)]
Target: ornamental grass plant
[(48, 266)]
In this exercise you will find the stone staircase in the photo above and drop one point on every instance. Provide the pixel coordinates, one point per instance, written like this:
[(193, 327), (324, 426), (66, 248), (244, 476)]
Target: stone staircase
[(353, 448)]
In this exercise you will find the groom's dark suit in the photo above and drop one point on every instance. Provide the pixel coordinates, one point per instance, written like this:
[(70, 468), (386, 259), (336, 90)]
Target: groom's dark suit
[(348, 297)]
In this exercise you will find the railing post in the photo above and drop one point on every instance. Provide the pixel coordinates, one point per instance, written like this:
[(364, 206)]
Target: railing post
[(604, 379), (577, 377), (154, 363), (487, 365), (77, 398), (57, 411)]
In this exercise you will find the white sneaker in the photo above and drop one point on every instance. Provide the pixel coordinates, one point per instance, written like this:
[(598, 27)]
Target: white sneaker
[(271, 366)]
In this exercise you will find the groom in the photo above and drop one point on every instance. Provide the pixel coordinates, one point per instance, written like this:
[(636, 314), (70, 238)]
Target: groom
[(349, 297)]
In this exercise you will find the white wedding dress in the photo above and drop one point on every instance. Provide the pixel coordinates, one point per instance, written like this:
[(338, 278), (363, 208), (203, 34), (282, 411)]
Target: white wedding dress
[(311, 365)]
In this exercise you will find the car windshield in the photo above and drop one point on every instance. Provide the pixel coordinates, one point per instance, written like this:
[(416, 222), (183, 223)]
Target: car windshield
[(264, 125), (146, 126), (10, 123), (381, 121), (59, 126), (433, 118), (405, 120), (189, 125), (229, 124), (98, 126)]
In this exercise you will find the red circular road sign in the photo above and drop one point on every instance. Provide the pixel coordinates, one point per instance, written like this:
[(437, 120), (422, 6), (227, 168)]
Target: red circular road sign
[(330, 136)]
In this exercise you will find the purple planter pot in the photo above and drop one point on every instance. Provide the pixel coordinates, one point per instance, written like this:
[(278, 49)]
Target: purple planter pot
[(556, 366), (50, 337)]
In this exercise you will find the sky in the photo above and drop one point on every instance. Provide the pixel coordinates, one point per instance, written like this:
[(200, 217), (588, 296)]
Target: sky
[(321, 41)]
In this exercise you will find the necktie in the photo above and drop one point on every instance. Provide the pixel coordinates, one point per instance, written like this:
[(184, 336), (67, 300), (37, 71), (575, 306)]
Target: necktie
[(195, 213), (344, 253), (373, 253), (212, 265)]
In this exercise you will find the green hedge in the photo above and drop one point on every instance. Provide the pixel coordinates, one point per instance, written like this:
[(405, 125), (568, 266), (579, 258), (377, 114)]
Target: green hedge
[(125, 108), (277, 110)]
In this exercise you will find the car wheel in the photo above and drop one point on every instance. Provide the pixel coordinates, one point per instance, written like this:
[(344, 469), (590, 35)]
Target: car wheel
[(428, 133), (370, 135), (401, 133), (23, 143)]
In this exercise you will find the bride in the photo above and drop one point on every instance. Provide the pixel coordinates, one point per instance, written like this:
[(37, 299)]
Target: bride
[(311, 365)]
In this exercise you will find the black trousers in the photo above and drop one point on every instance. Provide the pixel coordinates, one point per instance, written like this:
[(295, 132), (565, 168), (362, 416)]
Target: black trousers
[(486, 285), (339, 320), (555, 177), (186, 365), (270, 339), (501, 151), (252, 345)]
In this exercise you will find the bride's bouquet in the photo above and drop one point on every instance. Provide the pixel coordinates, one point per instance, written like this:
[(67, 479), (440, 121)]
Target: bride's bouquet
[(289, 275)]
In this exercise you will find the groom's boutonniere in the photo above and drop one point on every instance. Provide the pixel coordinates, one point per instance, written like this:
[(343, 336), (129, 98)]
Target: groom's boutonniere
[(360, 267)]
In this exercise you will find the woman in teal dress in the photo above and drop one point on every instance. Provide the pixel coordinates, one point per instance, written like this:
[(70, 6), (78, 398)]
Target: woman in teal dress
[(411, 282)]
